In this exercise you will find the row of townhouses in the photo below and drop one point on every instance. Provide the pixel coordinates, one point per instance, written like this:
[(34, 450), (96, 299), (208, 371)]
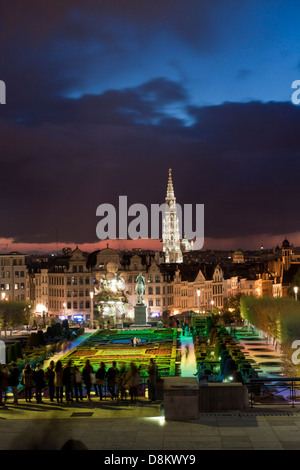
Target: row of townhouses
[(70, 285)]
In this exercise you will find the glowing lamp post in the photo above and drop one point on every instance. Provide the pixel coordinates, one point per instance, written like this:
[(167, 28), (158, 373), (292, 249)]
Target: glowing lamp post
[(198, 294), (92, 308), (212, 304), (296, 292), (3, 295)]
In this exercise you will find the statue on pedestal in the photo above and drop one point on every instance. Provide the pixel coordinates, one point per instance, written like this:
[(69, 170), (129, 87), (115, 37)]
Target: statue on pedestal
[(140, 288)]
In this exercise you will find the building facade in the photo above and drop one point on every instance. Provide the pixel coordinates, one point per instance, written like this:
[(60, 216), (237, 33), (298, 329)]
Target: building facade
[(13, 272), (63, 287), (70, 284)]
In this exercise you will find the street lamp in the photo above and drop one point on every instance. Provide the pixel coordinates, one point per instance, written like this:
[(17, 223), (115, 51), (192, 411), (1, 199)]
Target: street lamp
[(64, 305), (212, 304), (3, 295), (296, 292), (92, 308), (198, 294)]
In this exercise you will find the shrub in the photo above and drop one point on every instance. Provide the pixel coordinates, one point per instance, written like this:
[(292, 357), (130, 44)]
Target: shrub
[(41, 338), (11, 354), (50, 333), (35, 340), (19, 350), (34, 360), (229, 368)]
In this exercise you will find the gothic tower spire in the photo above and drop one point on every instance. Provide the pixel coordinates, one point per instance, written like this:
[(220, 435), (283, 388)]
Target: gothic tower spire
[(170, 189), (171, 233)]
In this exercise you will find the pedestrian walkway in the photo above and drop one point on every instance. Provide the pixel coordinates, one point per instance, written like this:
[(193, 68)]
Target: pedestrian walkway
[(73, 344), (260, 353), (110, 427), (188, 365)]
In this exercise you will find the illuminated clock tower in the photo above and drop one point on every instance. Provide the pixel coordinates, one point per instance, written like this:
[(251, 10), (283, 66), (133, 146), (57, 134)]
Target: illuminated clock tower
[(171, 233)]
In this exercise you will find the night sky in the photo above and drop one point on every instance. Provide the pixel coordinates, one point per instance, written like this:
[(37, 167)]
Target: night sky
[(104, 96)]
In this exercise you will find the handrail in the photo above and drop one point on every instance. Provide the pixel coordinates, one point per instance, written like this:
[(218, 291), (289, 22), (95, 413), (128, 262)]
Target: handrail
[(274, 379), (291, 384)]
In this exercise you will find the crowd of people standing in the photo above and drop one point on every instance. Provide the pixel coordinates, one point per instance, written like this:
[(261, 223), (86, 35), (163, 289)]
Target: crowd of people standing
[(67, 382)]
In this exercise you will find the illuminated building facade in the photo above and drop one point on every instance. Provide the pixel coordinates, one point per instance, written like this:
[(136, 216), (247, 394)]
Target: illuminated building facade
[(171, 232), (41, 292), (70, 284)]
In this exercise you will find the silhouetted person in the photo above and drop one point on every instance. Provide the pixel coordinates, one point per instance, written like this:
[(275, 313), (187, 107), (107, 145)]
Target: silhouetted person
[(152, 379), (111, 376), (86, 377), (28, 382), (14, 381), (123, 382), (49, 376), (100, 376), (58, 381), (4, 374), (133, 380), (68, 381), (78, 383), (39, 379)]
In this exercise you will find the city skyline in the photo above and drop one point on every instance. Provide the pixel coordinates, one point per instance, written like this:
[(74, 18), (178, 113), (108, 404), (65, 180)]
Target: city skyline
[(103, 98)]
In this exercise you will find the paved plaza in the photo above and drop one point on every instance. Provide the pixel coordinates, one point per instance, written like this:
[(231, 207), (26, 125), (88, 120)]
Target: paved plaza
[(113, 426)]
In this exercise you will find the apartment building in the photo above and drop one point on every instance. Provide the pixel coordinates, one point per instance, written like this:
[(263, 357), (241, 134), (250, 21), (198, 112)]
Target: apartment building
[(70, 284), (13, 276)]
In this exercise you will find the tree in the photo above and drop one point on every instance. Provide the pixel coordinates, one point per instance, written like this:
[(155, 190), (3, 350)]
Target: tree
[(13, 314), (226, 317), (232, 304)]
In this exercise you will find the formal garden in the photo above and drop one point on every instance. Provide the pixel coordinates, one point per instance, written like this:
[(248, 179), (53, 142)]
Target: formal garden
[(217, 353), (41, 345), (117, 345)]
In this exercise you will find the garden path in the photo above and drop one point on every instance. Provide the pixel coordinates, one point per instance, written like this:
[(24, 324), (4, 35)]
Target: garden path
[(188, 365)]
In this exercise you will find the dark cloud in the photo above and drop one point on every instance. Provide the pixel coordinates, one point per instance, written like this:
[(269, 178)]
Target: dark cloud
[(240, 159), (194, 22), (82, 124)]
